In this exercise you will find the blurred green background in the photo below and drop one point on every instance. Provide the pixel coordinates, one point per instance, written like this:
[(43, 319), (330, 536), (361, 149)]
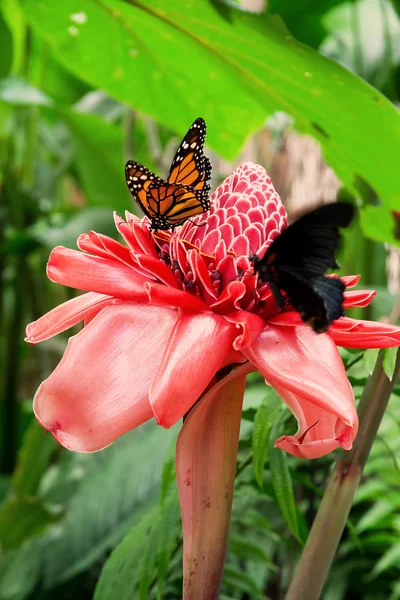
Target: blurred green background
[(87, 84)]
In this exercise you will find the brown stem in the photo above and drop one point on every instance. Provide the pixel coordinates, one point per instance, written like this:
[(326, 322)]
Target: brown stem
[(333, 512)]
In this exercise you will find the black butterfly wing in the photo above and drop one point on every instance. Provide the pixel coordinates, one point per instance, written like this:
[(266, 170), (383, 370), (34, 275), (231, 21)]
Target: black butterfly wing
[(319, 300), (190, 167), (310, 243)]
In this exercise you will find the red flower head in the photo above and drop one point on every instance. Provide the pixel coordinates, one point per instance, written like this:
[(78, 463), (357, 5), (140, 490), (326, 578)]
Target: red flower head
[(165, 312)]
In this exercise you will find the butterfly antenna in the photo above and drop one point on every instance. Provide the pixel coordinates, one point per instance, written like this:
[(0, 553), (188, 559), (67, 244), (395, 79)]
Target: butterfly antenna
[(197, 224)]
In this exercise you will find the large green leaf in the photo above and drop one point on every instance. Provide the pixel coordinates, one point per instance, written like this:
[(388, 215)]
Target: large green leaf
[(100, 495), (99, 513), (187, 60), (380, 224), (100, 160), (131, 568)]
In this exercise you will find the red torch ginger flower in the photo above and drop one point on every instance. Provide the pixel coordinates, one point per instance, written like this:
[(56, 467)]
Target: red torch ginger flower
[(164, 313)]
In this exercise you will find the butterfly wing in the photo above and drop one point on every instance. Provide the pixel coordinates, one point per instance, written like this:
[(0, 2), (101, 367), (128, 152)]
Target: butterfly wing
[(190, 167), (296, 262), (319, 301), (139, 179), (166, 204), (185, 193), (310, 243), (173, 204)]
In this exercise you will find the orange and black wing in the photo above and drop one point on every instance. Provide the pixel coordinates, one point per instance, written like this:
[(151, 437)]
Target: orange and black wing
[(166, 204), (139, 179), (174, 204), (190, 167)]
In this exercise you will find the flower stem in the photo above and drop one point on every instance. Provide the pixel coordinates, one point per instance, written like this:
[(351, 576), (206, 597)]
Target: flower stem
[(331, 518), (206, 455)]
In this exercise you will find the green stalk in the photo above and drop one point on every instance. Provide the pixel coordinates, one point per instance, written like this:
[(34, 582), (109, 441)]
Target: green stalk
[(327, 529)]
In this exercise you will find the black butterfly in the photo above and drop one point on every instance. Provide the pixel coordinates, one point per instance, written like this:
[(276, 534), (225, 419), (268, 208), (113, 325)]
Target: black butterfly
[(296, 262), (185, 193)]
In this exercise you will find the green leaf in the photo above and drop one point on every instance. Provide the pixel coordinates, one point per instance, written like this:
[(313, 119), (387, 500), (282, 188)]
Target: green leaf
[(103, 494), (18, 92), (253, 396), (100, 160), (21, 520), (373, 518), (33, 460), (5, 48), (383, 303), (168, 473), (170, 528), (230, 70), (24, 515), (19, 572), (378, 223), (351, 29), (304, 18), (389, 361), (283, 485), (97, 219), (128, 480), (237, 580), (120, 575), (390, 559), (131, 563), (241, 547), (264, 419), (14, 18), (370, 358)]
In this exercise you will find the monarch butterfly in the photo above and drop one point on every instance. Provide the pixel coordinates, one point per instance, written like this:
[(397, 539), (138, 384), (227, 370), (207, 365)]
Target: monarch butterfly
[(169, 203), (296, 262)]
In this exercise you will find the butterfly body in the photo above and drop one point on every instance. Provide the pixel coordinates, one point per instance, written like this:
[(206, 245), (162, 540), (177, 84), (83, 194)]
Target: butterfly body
[(184, 194), (296, 263)]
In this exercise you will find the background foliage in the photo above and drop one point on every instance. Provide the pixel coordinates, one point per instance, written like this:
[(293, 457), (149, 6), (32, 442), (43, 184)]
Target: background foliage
[(86, 84)]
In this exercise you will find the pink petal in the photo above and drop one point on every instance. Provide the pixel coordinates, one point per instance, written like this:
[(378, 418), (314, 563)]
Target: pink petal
[(162, 295), (306, 364), (352, 333), (210, 241), (359, 298), (65, 315), (229, 300), (250, 325), (136, 236), (156, 267), (319, 431), (196, 350), (241, 245), (349, 280), (206, 454), (99, 390), (84, 272), (105, 247), (201, 275)]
